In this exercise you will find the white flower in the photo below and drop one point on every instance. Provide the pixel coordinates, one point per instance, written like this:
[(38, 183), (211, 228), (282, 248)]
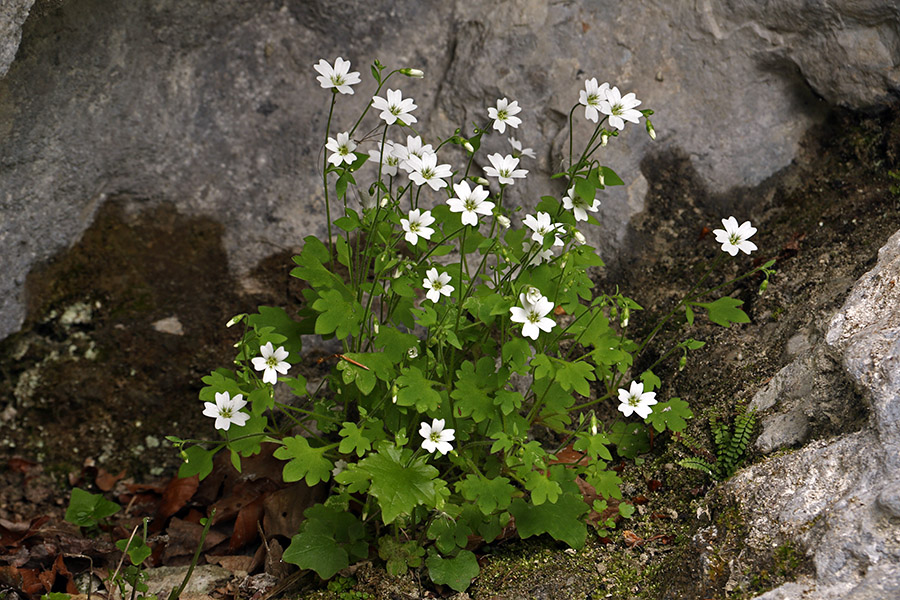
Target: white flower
[(417, 226), (572, 201), (226, 410), (540, 257), (389, 160), (541, 226), (412, 353), (413, 147), (426, 170), (503, 221), (436, 284), (342, 149), (619, 107), (636, 400), (338, 76), (437, 439), (533, 316), (533, 295), (579, 237), (504, 167), (271, 361), (339, 466), (503, 115), (591, 97), (470, 202), (395, 107), (517, 146), (734, 238)]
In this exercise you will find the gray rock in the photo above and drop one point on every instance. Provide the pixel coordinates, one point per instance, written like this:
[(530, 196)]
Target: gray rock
[(838, 497), (12, 15), (162, 580), (216, 107)]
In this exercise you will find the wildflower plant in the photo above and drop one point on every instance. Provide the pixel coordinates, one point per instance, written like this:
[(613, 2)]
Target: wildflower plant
[(464, 330)]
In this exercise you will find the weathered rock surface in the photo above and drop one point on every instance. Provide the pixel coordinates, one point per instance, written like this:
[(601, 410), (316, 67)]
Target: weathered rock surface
[(12, 16), (839, 498), (216, 108)]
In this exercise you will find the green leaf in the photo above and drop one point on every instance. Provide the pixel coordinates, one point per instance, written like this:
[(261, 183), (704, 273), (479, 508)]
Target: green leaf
[(395, 343), (472, 390), (304, 462), (317, 551), (650, 380), (508, 401), (575, 375), (605, 482), (400, 556), (609, 177), (277, 318), (672, 415), (562, 520), (399, 487), (725, 311), (337, 315), (343, 181), (197, 461), (449, 533), (415, 390), (631, 439), (87, 509), (542, 488), (585, 190), (689, 314), (354, 440), (457, 572), (516, 353), (138, 550), (490, 495), (594, 445), (626, 509)]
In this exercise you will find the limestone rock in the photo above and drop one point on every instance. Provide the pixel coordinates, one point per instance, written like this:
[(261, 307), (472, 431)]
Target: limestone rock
[(216, 109), (838, 497), (12, 15)]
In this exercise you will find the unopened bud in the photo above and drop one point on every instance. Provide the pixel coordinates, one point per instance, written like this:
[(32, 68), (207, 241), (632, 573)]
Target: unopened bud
[(682, 362), (763, 287), (417, 73), (504, 221), (469, 147), (604, 138), (481, 181), (579, 237), (384, 202), (235, 319), (650, 129), (375, 327), (593, 424)]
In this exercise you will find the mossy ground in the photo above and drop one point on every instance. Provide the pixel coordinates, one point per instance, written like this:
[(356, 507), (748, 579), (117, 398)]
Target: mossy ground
[(89, 364)]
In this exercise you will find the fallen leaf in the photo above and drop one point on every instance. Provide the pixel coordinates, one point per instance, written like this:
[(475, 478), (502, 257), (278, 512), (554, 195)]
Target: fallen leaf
[(106, 480), (177, 493), (246, 524), (184, 538), (284, 508), (235, 564)]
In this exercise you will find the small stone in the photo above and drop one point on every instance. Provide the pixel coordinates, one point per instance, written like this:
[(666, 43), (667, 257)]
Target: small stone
[(170, 325)]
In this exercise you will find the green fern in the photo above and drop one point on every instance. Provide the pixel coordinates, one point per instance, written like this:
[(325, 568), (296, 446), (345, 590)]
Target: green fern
[(731, 444)]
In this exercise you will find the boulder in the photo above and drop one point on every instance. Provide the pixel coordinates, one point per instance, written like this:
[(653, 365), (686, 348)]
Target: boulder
[(215, 108), (839, 498), (12, 16)]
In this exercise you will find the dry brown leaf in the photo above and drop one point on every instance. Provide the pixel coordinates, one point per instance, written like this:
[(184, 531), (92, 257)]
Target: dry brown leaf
[(178, 492), (284, 508)]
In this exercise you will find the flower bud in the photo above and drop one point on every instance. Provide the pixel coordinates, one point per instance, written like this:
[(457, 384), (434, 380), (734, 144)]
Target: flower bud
[(650, 129), (481, 181), (417, 73), (468, 146), (626, 314), (503, 221), (532, 294), (593, 424), (412, 353), (682, 362), (384, 202), (235, 319), (375, 327), (579, 237), (604, 137), (763, 286)]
